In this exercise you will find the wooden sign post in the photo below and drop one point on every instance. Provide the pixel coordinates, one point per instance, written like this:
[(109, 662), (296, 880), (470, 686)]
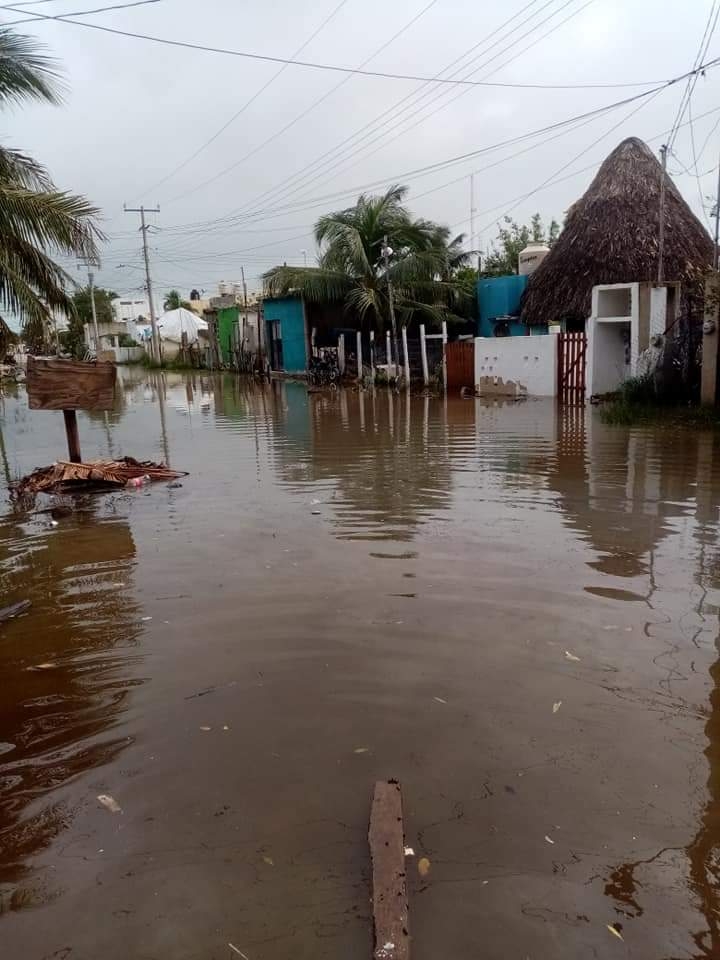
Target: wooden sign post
[(70, 385)]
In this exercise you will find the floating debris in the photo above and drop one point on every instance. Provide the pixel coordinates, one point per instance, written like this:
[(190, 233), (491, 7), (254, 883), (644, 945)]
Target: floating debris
[(44, 666), (549, 840), (557, 705), (571, 656), (95, 474), (206, 729), (361, 750), (423, 866), (409, 852), (614, 931), (110, 803), (238, 952), (438, 699), (269, 861), (14, 610)]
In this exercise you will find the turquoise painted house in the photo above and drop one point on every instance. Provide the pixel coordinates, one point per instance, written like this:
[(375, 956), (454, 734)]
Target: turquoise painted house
[(499, 307), (286, 334)]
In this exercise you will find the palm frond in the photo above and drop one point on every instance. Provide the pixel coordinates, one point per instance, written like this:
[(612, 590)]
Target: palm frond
[(25, 72), (22, 171), (315, 284), (54, 220)]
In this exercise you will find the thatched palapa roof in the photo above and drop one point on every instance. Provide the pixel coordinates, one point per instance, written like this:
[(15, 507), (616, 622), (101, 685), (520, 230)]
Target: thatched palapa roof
[(611, 236)]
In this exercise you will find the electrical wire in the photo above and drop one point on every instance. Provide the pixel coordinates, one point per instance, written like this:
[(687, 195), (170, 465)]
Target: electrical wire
[(313, 105), (335, 68), (75, 13), (251, 100), (198, 227), (692, 81), (330, 158), (397, 133)]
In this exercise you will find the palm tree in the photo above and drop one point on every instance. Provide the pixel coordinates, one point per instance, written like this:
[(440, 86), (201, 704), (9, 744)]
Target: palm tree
[(37, 221), (351, 267), (173, 301)]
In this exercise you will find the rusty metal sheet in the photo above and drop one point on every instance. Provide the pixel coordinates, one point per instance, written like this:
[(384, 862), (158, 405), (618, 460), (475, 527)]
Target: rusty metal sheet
[(55, 384)]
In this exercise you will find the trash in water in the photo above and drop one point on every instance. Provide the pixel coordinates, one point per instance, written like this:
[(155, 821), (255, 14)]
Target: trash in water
[(269, 861), (386, 950), (549, 840), (14, 610), (571, 656), (316, 513), (439, 700), (614, 931), (315, 501), (409, 852), (238, 952), (206, 729), (97, 474), (557, 705), (44, 666), (225, 727), (145, 619), (110, 803), (423, 866), (54, 523), (361, 750)]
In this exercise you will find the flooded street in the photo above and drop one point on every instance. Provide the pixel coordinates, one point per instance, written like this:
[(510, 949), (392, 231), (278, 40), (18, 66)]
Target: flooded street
[(513, 611)]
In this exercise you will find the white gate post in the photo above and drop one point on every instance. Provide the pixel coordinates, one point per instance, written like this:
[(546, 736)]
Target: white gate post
[(388, 354), (406, 359), (423, 355), (341, 354), (444, 360), (372, 356), (358, 337)]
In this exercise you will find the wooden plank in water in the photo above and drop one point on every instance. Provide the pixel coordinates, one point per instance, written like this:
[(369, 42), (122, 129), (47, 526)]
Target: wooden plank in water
[(387, 850), (55, 384)]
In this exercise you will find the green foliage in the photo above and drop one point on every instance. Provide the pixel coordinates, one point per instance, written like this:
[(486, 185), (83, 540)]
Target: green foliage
[(637, 402), (512, 239), (173, 301), (36, 219), (423, 265)]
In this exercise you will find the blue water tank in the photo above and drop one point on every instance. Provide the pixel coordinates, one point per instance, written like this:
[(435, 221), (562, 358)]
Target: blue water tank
[(500, 297)]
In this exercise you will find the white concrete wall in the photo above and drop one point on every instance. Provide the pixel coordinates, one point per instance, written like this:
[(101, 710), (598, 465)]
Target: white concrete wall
[(529, 362), (608, 354)]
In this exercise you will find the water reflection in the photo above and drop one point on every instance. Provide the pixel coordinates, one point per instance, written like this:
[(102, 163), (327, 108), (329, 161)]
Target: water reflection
[(66, 671)]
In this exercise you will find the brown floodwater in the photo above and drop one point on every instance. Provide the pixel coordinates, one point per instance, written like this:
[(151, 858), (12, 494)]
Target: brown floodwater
[(512, 610)]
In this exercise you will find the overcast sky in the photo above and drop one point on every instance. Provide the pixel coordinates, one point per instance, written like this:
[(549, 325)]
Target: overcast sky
[(136, 111)]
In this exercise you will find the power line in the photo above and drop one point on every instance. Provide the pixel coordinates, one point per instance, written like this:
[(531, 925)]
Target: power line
[(397, 133), (462, 157), (267, 58), (309, 109), (200, 226), (75, 13), (251, 100), (692, 81), (330, 157)]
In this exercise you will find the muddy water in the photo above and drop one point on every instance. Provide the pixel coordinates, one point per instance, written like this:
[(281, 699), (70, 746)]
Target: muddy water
[(513, 612)]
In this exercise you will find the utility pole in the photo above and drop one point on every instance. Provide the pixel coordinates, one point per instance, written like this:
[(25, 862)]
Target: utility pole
[(717, 222), (661, 227), (148, 282), (472, 210), (386, 252), (91, 289)]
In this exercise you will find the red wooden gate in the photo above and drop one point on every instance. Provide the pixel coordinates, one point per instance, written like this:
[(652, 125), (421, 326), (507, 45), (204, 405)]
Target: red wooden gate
[(572, 349), (460, 358)]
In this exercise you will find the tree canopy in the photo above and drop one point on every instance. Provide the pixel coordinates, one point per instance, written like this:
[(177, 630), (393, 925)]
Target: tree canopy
[(37, 220), (173, 301), (512, 239), (422, 264)]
